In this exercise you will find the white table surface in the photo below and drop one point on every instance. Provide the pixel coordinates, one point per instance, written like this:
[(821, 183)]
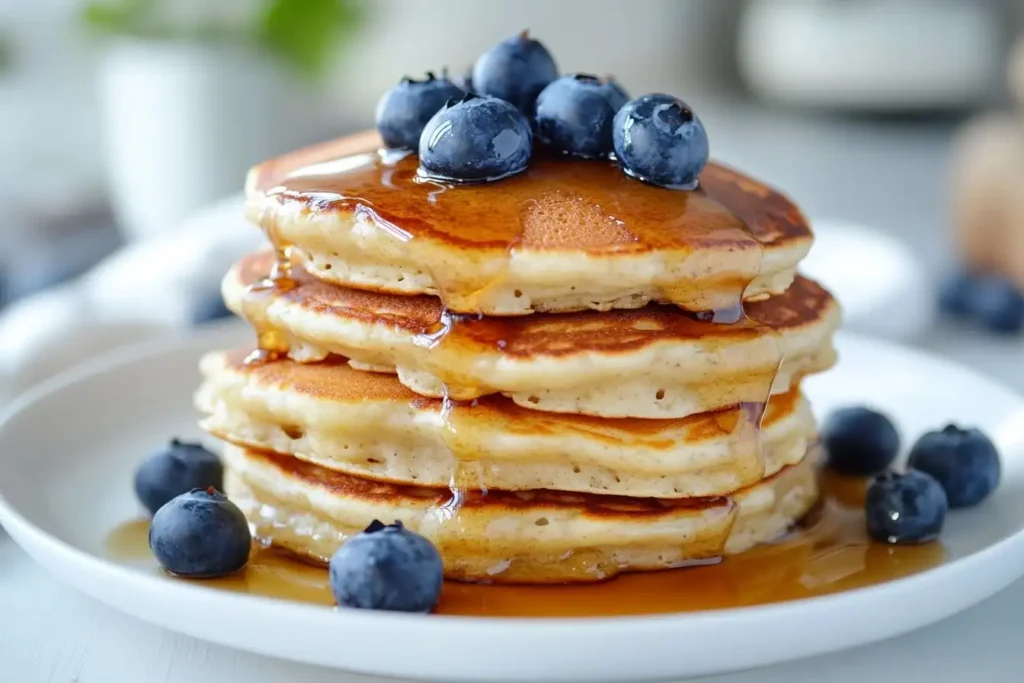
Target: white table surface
[(890, 175)]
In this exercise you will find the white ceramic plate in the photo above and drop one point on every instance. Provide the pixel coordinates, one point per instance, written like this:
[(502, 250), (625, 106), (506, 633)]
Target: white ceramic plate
[(68, 449)]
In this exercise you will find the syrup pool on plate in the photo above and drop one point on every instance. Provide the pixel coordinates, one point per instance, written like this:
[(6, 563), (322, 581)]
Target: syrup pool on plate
[(827, 553)]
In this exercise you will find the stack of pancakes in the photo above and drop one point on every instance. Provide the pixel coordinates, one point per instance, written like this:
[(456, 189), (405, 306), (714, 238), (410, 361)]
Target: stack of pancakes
[(554, 377)]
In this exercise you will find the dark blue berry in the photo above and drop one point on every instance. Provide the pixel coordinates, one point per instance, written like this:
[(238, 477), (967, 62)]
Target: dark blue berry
[(200, 534), (574, 116), (964, 461), (176, 469), (954, 293), (905, 508), (404, 110), (515, 70), (859, 441), (996, 304), (659, 140), (617, 95), (475, 139), (387, 567)]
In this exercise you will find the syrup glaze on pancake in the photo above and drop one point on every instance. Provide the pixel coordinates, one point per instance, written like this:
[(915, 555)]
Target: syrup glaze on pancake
[(553, 334), (558, 205), (370, 426)]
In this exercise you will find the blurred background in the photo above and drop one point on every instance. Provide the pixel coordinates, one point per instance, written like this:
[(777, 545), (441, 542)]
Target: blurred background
[(126, 127)]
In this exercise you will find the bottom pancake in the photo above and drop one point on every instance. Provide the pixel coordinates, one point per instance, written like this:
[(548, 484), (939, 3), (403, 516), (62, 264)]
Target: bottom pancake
[(536, 536)]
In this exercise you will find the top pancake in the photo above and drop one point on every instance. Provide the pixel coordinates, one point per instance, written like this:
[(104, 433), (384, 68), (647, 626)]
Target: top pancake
[(564, 235)]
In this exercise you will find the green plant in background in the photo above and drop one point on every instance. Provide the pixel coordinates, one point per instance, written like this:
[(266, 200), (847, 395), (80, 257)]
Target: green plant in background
[(304, 33)]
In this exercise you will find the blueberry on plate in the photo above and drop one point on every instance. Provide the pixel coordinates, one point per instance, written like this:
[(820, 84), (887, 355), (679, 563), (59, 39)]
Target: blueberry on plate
[(659, 140), (574, 116), (475, 139), (387, 567), (905, 508), (176, 469), (200, 534), (404, 110), (515, 70), (964, 461), (996, 304), (859, 441)]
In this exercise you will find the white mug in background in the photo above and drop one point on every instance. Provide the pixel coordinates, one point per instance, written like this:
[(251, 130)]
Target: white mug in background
[(872, 55), (183, 122)]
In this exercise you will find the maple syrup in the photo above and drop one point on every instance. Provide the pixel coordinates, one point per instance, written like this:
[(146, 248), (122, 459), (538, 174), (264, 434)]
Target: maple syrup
[(271, 343), (827, 553)]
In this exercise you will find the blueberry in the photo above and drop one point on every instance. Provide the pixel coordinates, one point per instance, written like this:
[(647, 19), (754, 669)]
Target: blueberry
[(574, 116), (996, 304), (387, 567), (200, 534), (905, 508), (475, 139), (964, 461), (659, 140), (859, 441), (174, 470), (617, 95), (955, 292), (405, 109), (515, 70)]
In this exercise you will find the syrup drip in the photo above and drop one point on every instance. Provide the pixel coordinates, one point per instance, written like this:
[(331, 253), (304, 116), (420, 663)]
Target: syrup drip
[(827, 553), (271, 343)]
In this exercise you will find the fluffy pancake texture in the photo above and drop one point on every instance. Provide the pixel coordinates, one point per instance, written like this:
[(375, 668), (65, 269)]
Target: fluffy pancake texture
[(652, 362), (537, 536), (369, 425), (565, 235)]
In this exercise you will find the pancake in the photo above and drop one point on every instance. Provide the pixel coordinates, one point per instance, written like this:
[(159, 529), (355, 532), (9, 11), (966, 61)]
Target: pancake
[(369, 425), (652, 362), (526, 537), (564, 235)]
